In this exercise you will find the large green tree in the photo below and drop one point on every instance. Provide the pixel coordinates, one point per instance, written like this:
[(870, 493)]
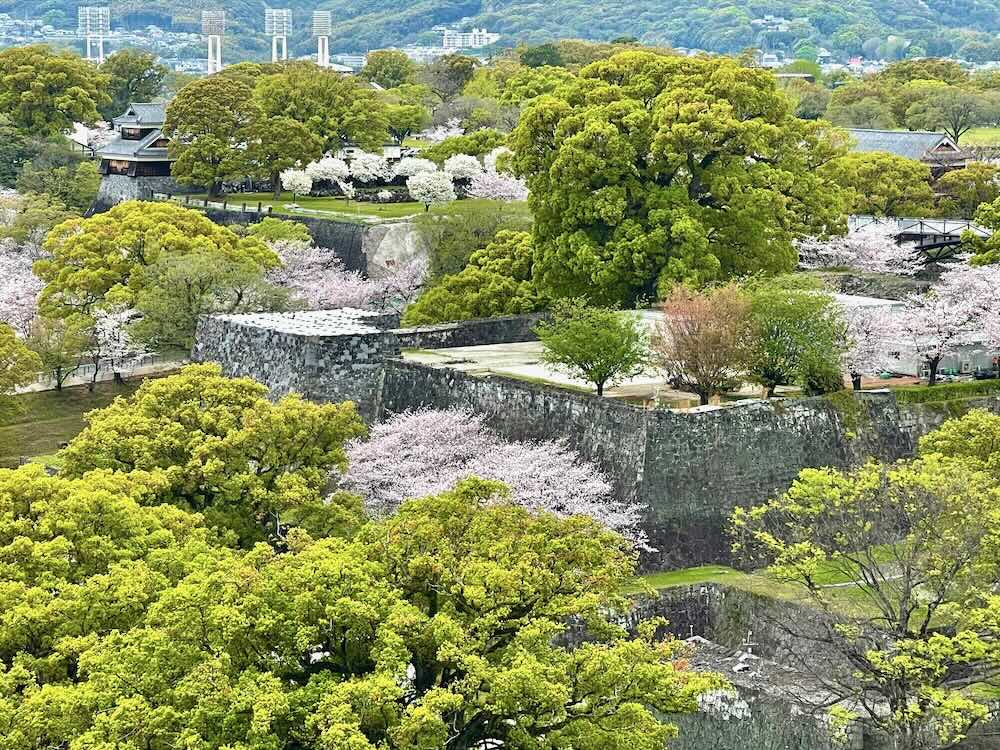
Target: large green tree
[(496, 281), (337, 110), (275, 144), (209, 124), (43, 92), (101, 259), (133, 76), (952, 110), (389, 68), (219, 446), (915, 548), (650, 169), (878, 183), (18, 365)]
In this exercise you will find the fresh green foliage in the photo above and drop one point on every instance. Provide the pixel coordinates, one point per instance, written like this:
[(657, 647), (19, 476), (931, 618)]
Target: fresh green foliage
[(43, 92), (388, 68), (922, 394), (476, 143), (18, 365), (279, 143), (220, 447), (74, 186), (133, 76), (335, 109), (651, 169), (882, 184), (798, 337), (919, 541), (962, 191), (102, 259), (270, 230), (599, 345), (496, 281)]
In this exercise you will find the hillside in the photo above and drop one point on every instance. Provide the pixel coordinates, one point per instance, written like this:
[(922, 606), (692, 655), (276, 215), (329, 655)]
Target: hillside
[(935, 26)]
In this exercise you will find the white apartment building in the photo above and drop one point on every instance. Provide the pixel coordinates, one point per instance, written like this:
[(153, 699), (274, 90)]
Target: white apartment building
[(468, 39)]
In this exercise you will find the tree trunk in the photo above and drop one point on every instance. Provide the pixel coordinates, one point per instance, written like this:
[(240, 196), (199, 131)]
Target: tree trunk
[(856, 381), (276, 184), (59, 378), (769, 393), (600, 388), (213, 189), (427, 207), (933, 366), (703, 399)]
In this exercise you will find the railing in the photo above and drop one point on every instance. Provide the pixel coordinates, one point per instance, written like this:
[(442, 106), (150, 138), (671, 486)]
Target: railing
[(224, 205), (85, 370)]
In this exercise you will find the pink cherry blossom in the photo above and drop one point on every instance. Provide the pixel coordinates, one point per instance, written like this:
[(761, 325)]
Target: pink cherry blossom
[(421, 453), (872, 249)]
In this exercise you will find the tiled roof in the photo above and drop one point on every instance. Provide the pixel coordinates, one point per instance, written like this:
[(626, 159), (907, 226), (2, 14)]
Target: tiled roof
[(913, 144), (134, 149), (143, 113)]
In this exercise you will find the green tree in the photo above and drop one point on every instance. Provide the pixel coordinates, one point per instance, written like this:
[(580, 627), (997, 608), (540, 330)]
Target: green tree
[(16, 149), (176, 290), (451, 238), (952, 110), (867, 113), (144, 626), (219, 446), (974, 437), (36, 215), (962, 191), (402, 120), (209, 124), (60, 345), (339, 111), (18, 365), (985, 250), (878, 183), (909, 93), (477, 143), (653, 169), (97, 260), (917, 544), (389, 68), (74, 186), (544, 55), (447, 75), (271, 230), (133, 76), (810, 99), (528, 83), (275, 144), (496, 281), (597, 344), (928, 69), (44, 92), (798, 337)]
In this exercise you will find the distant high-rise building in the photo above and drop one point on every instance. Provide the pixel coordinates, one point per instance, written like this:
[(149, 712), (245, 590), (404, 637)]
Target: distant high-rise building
[(468, 39)]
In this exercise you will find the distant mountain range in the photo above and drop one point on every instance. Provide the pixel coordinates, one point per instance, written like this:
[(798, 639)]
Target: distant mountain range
[(934, 27)]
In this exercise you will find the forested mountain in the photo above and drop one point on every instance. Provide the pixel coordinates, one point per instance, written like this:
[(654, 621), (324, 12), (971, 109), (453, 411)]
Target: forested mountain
[(934, 27)]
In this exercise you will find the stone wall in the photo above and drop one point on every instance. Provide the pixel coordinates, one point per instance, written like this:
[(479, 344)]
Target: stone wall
[(343, 238), (115, 188), (689, 468), (504, 330), (323, 355)]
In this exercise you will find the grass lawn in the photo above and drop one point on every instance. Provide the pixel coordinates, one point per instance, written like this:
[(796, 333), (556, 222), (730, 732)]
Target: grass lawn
[(981, 137), (45, 419), (345, 209)]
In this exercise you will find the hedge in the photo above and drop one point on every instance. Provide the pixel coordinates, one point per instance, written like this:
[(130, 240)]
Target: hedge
[(946, 391)]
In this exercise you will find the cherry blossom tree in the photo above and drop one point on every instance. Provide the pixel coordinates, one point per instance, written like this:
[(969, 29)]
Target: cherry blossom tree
[(366, 167), (871, 334), (318, 280), (19, 288), (297, 181), (497, 187), (111, 344), (328, 168), (431, 187), (425, 452), (872, 248), (411, 165), (450, 129), (494, 157), (462, 166)]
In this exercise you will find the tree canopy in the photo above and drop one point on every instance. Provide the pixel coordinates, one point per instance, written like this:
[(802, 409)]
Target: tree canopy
[(651, 169), (43, 92), (133, 76)]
